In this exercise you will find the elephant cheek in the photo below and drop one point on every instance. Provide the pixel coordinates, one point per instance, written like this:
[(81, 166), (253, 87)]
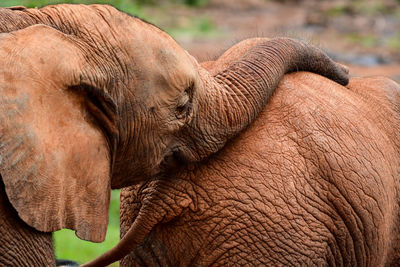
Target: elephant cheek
[(135, 168)]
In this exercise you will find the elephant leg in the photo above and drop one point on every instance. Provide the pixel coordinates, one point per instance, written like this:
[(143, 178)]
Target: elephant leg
[(20, 244)]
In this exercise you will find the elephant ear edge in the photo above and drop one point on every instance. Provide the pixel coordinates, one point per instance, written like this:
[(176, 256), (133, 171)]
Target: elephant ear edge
[(55, 160)]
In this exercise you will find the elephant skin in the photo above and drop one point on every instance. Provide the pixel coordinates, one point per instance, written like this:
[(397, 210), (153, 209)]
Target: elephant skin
[(22, 245), (94, 99), (313, 181)]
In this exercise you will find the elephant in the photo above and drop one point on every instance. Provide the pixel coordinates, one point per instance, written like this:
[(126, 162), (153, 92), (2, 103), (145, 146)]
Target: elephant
[(314, 180), (94, 99)]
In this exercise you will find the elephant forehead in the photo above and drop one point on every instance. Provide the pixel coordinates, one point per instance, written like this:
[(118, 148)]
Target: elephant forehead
[(166, 57), (162, 70), (176, 70), (139, 49)]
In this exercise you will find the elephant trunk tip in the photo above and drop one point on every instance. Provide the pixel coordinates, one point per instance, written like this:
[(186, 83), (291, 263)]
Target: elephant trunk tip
[(341, 75), (344, 74), (133, 237)]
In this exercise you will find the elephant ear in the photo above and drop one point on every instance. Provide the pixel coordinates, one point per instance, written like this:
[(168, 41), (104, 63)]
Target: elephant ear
[(55, 160)]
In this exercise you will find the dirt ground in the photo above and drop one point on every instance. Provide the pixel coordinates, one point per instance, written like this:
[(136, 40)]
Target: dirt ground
[(363, 34)]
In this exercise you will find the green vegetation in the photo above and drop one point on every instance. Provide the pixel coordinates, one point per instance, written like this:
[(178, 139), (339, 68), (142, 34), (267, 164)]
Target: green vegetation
[(186, 2), (369, 8), (196, 27), (338, 10), (195, 2), (192, 27), (364, 40), (394, 42), (132, 7), (70, 247)]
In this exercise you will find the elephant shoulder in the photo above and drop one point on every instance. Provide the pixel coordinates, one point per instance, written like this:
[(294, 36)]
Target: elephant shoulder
[(383, 90), (317, 103), (383, 97), (374, 97)]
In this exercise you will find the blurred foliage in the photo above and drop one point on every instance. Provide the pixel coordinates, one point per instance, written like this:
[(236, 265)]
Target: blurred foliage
[(394, 42), (337, 10), (185, 2), (368, 8), (70, 247), (363, 39), (129, 6), (190, 26), (195, 2), (125, 5), (194, 27)]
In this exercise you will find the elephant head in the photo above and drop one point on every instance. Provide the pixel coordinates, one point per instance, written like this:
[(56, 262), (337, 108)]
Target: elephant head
[(94, 99)]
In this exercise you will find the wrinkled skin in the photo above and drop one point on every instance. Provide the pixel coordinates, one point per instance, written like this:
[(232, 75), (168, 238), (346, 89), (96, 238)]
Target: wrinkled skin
[(314, 181), (22, 245), (94, 99)]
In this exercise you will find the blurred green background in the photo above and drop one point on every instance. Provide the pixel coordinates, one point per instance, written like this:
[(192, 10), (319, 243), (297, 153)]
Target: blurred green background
[(196, 26), (134, 7)]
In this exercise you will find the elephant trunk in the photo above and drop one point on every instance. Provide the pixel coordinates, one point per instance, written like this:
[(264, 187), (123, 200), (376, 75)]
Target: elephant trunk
[(163, 200), (140, 228), (242, 89)]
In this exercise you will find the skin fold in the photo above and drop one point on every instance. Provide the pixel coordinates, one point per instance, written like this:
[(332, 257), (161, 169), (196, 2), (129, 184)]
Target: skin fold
[(94, 99), (313, 181)]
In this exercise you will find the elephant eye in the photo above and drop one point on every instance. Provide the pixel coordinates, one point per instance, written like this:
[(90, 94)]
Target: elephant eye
[(184, 106)]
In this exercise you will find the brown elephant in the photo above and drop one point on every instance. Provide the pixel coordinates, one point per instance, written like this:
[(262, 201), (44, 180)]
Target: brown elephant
[(94, 99), (313, 181)]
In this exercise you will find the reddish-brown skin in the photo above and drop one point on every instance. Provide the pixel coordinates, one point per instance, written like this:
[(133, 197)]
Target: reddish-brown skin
[(93, 99), (20, 244), (314, 181)]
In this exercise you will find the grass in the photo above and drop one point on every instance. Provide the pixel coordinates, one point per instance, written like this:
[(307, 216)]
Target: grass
[(68, 246)]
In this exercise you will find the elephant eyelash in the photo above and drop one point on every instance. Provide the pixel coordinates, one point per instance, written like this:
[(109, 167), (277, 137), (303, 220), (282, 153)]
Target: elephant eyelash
[(180, 109), (189, 90), (184, 110)]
